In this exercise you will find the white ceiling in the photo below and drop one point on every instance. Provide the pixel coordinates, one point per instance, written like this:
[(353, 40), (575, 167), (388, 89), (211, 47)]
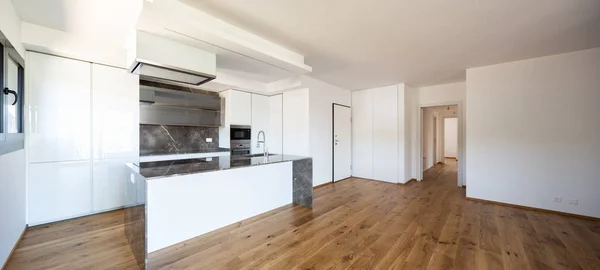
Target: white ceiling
[(359, 44), (111, 21), (108, 20)]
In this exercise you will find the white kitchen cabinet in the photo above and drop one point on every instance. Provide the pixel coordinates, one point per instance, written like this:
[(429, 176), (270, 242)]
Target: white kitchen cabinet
[(115, 133), (240, 108), (115, 117), (59, 108), (237, 110), (385, 134), (275, 140), (58, 190), (261, 107), (108, 183), (362, 134), (83, 128)]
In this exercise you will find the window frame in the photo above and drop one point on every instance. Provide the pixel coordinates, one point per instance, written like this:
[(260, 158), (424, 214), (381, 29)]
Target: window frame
[(10, 142)]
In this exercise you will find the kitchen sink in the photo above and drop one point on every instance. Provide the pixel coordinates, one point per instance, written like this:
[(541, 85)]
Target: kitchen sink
[(256, 155)]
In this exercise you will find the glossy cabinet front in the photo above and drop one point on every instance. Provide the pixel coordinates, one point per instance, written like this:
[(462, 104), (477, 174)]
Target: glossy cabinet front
[(59, 108), (115, 117), (58, 190), (83, 127), (240, 108), (260, 121)]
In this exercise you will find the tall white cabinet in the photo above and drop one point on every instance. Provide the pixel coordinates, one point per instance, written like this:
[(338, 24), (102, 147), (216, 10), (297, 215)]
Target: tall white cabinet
[(275, 140), (362, 134), (375, 134), (261, 108), (82, 127), (115, 133)]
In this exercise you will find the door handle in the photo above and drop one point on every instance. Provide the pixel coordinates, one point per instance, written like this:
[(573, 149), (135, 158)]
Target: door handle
[(8, 91)]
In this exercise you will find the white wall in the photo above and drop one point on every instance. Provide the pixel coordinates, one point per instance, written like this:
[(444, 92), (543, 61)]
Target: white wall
[(12, 165), (48, 40), (442, 94), (12, 201), (412, 139), (533, 132), (296, 134), (321, 99), (10, 25), (450, 137)]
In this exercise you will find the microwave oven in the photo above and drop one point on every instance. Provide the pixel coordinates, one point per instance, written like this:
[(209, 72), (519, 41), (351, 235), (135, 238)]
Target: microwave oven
[(239, 133)]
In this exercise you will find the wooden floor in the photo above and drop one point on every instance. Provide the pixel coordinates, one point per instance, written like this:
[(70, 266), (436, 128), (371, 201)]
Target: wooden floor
[(355, 224)]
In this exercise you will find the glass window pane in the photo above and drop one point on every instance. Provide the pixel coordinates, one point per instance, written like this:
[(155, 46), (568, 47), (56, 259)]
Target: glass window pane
[(13, 112)]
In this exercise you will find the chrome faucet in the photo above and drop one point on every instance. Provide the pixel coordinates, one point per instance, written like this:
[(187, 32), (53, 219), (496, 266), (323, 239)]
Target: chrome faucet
[(264, 141)]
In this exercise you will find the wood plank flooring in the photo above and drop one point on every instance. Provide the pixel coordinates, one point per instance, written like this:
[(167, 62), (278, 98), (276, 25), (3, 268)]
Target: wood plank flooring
[(355, 224)]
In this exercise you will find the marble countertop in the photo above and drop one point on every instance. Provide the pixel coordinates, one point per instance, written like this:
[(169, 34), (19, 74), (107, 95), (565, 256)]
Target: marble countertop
[(160, 169)]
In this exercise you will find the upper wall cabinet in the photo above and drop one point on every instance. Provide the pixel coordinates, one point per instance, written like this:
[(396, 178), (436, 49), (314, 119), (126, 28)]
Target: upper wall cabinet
[(240, 108), (59, 108), (115, 95), (260, 121)]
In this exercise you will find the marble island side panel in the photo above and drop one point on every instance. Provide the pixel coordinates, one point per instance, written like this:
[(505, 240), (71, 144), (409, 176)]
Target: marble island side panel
[(302, 177)]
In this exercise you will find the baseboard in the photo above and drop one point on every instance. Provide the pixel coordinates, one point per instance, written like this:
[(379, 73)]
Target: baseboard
[(534, 209), (14, 247), (322, 185), (407, 182)]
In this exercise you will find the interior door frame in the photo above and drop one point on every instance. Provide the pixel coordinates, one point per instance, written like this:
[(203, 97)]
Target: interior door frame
[(461, 153), (333, 139)]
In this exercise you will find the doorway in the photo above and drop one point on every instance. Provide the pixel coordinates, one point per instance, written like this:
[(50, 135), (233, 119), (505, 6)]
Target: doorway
[(440, 133), (342, 142)]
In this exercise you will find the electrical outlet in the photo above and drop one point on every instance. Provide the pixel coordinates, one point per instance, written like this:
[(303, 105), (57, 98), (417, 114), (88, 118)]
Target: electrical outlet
[(208, 139), (574, 201), (557, 199)]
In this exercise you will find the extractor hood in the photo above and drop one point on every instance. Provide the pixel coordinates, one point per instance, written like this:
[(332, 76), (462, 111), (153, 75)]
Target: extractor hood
[(160, 59)]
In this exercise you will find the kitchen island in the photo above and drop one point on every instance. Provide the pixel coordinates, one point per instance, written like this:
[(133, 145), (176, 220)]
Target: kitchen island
[(172, 201)]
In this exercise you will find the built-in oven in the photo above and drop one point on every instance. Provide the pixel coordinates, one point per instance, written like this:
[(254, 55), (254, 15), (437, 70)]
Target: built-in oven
[(239, 152), (239, 137)]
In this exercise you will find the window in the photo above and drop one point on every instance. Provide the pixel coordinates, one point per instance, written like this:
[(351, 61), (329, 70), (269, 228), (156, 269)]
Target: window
[(12, 81)]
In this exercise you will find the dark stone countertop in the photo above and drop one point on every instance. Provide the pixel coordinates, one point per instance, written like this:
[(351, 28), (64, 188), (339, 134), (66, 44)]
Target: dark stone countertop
[(161, 169)]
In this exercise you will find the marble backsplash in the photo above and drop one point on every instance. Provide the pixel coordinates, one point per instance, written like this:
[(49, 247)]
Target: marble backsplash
[(161, 139)]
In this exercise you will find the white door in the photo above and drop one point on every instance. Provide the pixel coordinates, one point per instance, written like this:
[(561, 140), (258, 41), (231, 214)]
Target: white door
[(342, 142)]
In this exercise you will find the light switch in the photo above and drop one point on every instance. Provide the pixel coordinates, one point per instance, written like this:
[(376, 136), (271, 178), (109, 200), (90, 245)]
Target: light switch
[(208, 139)]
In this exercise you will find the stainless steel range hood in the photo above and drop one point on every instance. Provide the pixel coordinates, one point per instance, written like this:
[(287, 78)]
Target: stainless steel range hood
[(153, 70), (160, 59), (176, 108)]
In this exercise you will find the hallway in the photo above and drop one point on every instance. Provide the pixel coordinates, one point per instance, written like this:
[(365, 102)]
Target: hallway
[(355, 224)]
